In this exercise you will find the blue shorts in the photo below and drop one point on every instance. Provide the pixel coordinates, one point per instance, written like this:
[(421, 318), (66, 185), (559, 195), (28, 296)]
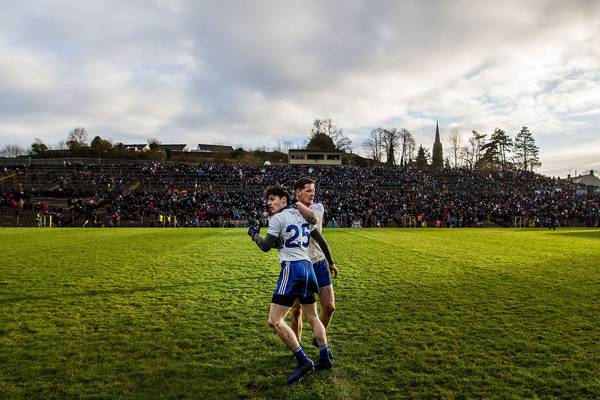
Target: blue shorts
[(322, 273), (297, 279)]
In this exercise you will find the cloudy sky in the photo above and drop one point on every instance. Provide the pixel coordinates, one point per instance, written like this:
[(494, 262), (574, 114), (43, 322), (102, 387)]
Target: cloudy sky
[(257, 73)]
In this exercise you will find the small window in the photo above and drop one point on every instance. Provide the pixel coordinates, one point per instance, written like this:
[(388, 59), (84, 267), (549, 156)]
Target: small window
[(316, 156), (333, 156)]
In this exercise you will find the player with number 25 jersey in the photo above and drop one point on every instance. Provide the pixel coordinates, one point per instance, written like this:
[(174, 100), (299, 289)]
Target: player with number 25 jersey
[(290, 227), (297, 278)]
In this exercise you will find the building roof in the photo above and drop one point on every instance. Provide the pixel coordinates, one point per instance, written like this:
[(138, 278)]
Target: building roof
[(213, 148), (313, 151), (172, 147), (588, 180)]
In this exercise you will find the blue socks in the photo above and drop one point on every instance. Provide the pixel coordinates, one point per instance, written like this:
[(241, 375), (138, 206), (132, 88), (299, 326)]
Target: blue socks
[(301, 357), (323, 352)]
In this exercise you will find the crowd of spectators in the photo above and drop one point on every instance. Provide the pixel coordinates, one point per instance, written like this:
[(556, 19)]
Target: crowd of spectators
[(227, 195)]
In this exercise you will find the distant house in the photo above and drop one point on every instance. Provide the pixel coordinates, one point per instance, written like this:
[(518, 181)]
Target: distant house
[(213, 149), (588, 180), (314, 157), (173, 147), (136, 148)]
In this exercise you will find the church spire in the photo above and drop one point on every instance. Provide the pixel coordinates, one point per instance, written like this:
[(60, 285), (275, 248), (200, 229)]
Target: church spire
[(437, 159)]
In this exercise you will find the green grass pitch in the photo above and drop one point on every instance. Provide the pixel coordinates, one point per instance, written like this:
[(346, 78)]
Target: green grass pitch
[(181, 313)]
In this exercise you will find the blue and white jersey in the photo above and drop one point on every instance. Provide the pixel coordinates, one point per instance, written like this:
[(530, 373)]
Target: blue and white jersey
[(294, 231), (314, 251)]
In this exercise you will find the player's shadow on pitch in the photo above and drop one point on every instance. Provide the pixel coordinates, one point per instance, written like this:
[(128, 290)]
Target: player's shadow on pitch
[(585, 235), (91, 293)]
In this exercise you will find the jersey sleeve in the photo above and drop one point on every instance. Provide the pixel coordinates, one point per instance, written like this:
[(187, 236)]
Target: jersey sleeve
[(275, 225)]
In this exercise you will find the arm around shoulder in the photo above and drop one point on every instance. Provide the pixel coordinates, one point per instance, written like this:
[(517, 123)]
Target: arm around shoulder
[(308, 214)]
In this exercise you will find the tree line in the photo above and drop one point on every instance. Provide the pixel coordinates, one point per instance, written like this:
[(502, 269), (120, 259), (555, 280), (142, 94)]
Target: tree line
[(498, 152), (77, 144), (383, 146)]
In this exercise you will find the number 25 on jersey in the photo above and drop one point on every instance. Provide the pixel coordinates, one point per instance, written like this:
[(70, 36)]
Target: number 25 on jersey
[(291, 242)]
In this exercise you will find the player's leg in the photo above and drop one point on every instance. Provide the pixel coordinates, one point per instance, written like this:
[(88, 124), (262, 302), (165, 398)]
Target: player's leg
[(296, 321), (280, 307), (284, 294), (327, 300), (326, 296), (277, 314), (310, 312)]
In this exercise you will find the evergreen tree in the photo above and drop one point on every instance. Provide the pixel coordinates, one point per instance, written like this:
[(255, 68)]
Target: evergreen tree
[(503, 144), (320, 141), (100, 146), (526, 152), (495, 151), (340, 141), (421, 161), (38, 148)]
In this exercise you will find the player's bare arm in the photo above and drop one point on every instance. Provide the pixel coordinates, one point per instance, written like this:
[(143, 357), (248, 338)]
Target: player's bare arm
[(320, 239), (309, 215)]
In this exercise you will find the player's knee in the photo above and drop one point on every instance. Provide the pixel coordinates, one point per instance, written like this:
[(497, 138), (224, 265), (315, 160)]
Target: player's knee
[(274, 323), (329, 308)]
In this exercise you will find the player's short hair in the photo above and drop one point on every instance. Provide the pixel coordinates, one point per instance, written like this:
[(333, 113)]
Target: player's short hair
[(300, 183), (279, 191)]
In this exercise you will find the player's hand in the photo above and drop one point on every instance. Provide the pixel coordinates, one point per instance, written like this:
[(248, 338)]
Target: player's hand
[(333, 270), (278, 244), (253, 230)]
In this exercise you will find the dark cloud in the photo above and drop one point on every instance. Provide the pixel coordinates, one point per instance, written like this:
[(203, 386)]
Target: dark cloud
[(250, 73)]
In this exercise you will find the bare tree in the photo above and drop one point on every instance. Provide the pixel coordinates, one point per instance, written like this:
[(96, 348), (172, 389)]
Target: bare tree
[(154, 144), (326, 126), (406, 138), (467, 155), (12, 150), (411, 149), (60, 145), (391, 140), (79, 135), (454, 139), (77, 139), (473, 151), (373, 144)]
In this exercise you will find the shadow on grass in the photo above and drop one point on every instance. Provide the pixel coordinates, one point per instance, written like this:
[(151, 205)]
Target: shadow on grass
[(119, 291), (585, 234), (90, 293)]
